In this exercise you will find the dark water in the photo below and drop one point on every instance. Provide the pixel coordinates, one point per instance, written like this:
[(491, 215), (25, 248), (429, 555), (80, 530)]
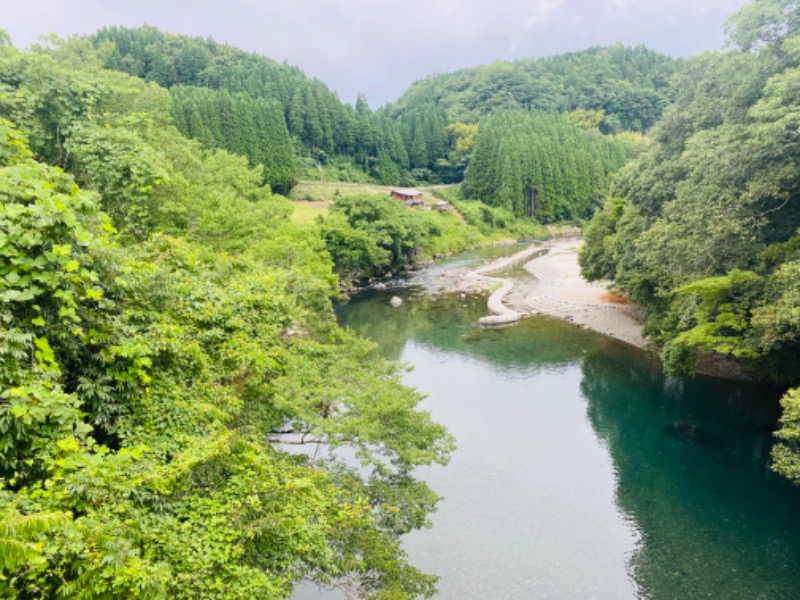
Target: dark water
[(581, 471)]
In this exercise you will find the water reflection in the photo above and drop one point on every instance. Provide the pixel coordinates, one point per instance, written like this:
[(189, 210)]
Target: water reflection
[(692, 464), (530, 494), (581, 471)]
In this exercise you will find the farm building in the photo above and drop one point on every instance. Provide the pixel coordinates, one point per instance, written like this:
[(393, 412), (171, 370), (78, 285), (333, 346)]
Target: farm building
[(408, 196), (442, 206)]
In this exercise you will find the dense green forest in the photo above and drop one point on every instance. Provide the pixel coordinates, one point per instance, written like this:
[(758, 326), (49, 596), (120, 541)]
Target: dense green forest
[(327, 131), (241, 124), (173, 383), (630, 86), (166, 334), (538, 164), (614, 89), (252, 106), (427, 135), (703, 231)]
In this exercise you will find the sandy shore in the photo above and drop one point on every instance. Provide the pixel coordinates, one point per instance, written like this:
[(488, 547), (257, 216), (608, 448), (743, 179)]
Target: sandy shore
[(546, 279), (556, 288), (563, 292)]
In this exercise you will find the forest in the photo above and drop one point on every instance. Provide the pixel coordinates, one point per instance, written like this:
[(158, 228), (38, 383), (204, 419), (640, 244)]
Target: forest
[(702, 229), (222, 96), (166, 334), (630, 85), (170, 362), (538, 164)]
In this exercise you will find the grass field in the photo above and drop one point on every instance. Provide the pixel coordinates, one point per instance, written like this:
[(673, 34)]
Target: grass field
[(312, 198), (329, 190), (305, 211)]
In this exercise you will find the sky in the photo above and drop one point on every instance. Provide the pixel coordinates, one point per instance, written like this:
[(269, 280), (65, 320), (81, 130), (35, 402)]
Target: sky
[(380, 47)]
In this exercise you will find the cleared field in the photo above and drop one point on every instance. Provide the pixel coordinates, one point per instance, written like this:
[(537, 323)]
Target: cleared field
[(328, 190), (305, 211), (311, 198)]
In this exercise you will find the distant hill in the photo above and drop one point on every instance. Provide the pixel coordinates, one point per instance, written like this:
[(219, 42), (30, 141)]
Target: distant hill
[(296, 127), (247, 86), (629, 84)]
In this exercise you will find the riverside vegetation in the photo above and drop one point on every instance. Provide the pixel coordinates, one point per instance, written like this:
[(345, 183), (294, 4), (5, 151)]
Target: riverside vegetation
[(166, 330), (703, 229), (165, 333)]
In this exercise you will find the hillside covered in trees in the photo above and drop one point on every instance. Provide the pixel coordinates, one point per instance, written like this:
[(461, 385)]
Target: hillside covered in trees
[(249, 91), (703, 233), (629, 85), (230, 99), (538, 164), (166, 334)]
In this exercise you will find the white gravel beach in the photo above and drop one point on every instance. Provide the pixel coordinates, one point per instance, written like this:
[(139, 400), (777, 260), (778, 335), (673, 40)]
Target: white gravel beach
[(557, 289)]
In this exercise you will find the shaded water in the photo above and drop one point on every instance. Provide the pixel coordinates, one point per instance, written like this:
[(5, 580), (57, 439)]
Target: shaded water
[(581, 471)]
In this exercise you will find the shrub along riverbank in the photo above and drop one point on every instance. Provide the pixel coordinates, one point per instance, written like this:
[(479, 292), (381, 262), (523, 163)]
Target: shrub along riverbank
[(165, 333), (703, 234)]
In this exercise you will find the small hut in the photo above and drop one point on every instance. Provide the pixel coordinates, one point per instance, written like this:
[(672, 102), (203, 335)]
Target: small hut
[(408, 196), (442, 206)]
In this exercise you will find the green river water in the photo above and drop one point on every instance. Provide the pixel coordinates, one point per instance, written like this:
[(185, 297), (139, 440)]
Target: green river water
[(581, 471)]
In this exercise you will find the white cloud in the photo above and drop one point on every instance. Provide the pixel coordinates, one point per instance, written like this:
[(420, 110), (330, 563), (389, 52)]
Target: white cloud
[(542, 12), (382, 46)]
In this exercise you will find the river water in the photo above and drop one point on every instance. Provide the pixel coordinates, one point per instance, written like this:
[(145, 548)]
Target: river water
[(581, 471)]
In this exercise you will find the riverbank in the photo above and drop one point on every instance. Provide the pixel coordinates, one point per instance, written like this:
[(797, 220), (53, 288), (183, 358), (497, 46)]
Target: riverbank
[(562, 292), (550, 284), (558, 289)]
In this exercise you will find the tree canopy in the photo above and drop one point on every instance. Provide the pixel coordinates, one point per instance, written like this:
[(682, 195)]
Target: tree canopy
[(537, 164), (251, 95), (230, 99), (705, 234), (630, 85), (166, 338)]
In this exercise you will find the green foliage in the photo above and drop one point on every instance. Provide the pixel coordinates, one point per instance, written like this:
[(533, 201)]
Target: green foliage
[(786, 454), (634, 144), (355, 252), (250, 105), (763, 24), (775, 333), (713, 315), (239, 123), (597, 256), (389, 223), (585, 119), (337, 168), (152, 381), (536, 164), (125, 171), (629, 86), (707, 239), (716, 188), (16, 535), (230, 99), (370, 235), (13, 145), (495, 221), (447, 234)]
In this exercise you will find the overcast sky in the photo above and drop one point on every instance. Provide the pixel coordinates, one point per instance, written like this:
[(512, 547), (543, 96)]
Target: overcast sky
[(380, 47)]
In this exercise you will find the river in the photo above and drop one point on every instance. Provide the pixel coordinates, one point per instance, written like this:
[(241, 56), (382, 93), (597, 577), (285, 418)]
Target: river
[(581, 471)]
